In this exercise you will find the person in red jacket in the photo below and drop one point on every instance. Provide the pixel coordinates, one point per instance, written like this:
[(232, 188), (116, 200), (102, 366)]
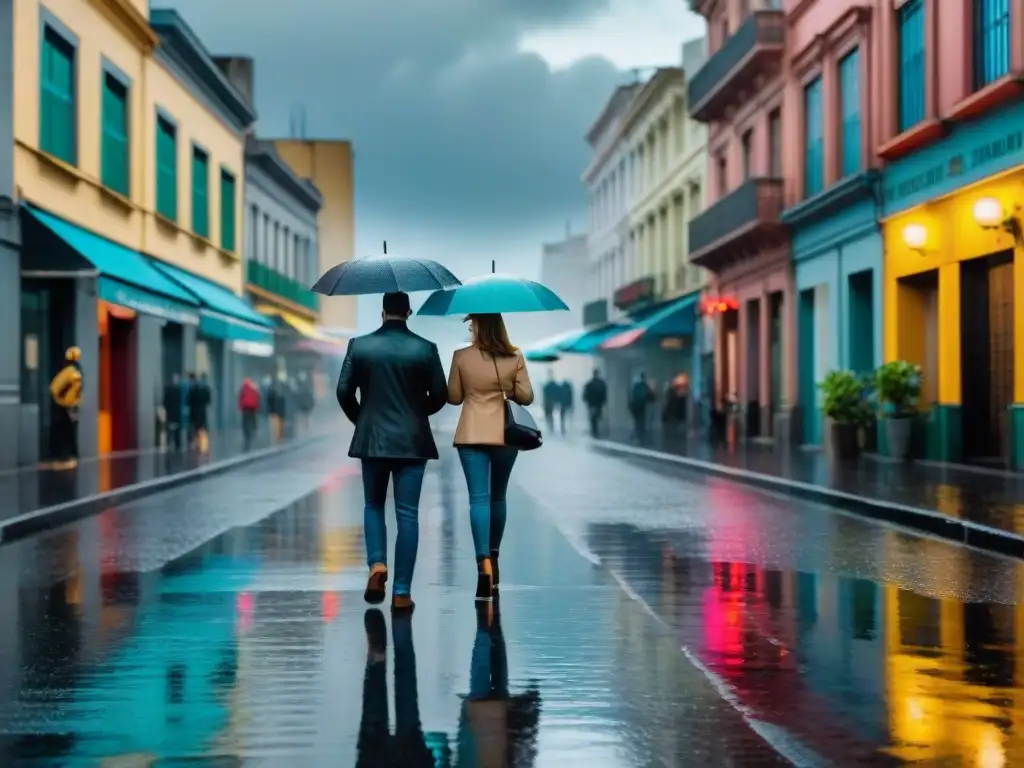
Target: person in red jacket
[(249, 405)]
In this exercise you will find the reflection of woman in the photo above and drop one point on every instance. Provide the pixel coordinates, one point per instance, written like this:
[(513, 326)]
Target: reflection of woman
[(496, 730), (377, 746)]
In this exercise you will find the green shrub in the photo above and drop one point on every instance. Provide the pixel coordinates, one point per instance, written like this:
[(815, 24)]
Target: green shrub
[(847, 398), (899, 386)]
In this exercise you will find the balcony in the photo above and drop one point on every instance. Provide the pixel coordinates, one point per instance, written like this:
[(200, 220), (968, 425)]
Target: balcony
[(270, 280), (748, 58), (742, 223)]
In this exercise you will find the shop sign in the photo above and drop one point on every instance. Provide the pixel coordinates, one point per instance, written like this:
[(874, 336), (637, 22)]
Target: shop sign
[(638, 292), (971, 153), (595, 312)]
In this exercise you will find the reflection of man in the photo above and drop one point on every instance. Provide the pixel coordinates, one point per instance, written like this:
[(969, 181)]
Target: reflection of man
[(401, 384)]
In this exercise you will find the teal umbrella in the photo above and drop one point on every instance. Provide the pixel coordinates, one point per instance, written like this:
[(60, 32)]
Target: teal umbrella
[(492, 293), (541, 356)]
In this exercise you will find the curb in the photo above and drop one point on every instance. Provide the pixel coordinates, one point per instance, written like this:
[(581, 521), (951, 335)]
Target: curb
[(23, 525), (916, 518)]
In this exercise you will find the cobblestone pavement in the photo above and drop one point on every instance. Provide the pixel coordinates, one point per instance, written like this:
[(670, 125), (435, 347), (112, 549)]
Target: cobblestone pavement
[(644, 620)]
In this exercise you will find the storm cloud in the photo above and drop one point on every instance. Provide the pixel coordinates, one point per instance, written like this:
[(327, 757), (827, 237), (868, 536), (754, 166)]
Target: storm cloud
[(453, 126)]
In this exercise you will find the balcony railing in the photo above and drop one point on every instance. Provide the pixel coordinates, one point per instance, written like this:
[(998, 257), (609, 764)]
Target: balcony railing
[(755, 51), (738, 222), (272, 281)]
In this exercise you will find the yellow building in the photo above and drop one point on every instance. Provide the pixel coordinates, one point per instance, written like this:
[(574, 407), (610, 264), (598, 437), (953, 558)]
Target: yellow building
[(328, 164), (953, 278), (129, 165)]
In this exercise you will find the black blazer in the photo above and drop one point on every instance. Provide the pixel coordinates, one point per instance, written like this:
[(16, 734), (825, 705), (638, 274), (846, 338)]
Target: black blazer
[(401, 384)]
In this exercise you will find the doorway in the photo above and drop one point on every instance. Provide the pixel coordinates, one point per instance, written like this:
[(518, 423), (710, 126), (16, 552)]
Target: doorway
[(753, 364), (806, 384), (861, 322), (729, 370), (775, 357), (118, 395), (986, 356), (172, 340)]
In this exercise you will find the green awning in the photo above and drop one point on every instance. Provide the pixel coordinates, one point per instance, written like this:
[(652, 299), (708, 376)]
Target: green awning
[(224, 314), (125, 276)]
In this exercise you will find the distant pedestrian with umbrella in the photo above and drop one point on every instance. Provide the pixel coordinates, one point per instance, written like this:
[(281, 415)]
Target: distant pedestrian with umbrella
[(391, 383)]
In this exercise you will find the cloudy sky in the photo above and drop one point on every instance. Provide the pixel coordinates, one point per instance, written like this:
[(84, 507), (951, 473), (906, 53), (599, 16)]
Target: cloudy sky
[(467, 116)]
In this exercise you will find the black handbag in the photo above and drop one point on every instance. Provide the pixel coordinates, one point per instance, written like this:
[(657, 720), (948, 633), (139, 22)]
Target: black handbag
[(521, 431)]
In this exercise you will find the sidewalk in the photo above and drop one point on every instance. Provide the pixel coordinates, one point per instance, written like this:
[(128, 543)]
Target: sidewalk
[(981, 507), (41, 492)]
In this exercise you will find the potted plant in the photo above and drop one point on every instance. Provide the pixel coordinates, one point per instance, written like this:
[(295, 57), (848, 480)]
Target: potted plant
[(898, 385), (846, 411)]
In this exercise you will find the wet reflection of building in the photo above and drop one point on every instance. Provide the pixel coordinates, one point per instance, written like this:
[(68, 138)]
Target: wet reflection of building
[(292, 536)]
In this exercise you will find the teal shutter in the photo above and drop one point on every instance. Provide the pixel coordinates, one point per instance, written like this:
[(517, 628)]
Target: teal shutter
[(115, 163), (814, 160), (991, 41), (166, 170), (849, 86), (200, 193), (57, 114), (910, 20), (227, 211)]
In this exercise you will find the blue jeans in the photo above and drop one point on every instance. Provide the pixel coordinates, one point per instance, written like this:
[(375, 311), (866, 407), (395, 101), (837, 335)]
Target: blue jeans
[(487, 469), (408, 484)]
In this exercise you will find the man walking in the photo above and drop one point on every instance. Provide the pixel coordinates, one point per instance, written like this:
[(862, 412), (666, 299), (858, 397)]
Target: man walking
[(173, 408), (551, 397), (401, 384), (249, 405), (566, 404), (595, 395)]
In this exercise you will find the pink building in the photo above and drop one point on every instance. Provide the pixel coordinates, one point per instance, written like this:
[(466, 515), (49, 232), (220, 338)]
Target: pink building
[(741, 93)]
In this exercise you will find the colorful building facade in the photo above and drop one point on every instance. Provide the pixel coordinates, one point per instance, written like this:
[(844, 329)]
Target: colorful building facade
[(129, 168), (740, 239), (833, 199), (952, 188)]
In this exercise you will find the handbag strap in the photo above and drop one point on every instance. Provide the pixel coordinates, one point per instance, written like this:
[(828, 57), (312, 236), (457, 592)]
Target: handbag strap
[(497, 375)]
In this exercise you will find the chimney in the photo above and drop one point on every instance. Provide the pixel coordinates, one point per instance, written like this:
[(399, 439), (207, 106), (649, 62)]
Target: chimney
[(239, 72)]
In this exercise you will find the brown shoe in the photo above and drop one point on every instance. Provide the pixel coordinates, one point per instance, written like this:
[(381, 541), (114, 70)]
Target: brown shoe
[(402, 604), (376, 584)]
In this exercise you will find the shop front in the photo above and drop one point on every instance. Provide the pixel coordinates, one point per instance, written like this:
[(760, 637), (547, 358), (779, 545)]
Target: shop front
[(129, 320), (743, 244), (954, 275), (837, 256), (230, 333)]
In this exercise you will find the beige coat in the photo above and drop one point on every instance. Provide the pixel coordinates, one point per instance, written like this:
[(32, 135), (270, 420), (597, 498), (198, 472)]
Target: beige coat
[(473, 384)]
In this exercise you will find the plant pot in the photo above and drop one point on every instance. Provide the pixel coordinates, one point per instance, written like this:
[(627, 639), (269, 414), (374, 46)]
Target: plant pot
[(898, 433), (843, 444)]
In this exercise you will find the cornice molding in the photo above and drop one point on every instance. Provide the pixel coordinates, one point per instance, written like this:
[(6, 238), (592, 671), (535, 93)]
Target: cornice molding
[(130, 20), (840, 195)]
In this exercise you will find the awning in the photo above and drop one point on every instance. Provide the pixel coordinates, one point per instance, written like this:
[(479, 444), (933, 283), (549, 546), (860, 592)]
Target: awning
[(313, 339), (676, 318), (589, 340), (224, 315), (546, 350), (125, 277)]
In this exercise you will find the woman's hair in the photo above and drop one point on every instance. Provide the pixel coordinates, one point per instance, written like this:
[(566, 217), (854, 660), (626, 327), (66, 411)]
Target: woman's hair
[(491, 335)]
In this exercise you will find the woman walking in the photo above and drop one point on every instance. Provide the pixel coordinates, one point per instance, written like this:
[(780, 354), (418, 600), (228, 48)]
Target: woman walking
[(480, 378)]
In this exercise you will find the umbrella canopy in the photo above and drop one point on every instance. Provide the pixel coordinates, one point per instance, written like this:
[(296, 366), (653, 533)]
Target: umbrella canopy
[(384, 274), (492, 293), (541, 356)]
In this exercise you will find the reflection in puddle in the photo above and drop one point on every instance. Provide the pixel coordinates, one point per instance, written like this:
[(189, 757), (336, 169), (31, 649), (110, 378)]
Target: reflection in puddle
[(853, 668)]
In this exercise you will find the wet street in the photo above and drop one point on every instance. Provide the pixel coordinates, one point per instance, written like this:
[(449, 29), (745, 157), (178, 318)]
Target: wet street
[(647, 618)]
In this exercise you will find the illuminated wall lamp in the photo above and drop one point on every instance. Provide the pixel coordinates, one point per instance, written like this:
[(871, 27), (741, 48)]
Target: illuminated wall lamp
[(915, 236), (989, 214)]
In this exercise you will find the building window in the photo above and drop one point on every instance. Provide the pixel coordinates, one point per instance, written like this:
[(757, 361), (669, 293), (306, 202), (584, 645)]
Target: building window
[(200, 192), (910, 21), (227, 210), (115, 163), (775, 144), (745, 143), (849, 93), (814, 154), (166, 169), (991, 41), (723, 175), (57, 110)]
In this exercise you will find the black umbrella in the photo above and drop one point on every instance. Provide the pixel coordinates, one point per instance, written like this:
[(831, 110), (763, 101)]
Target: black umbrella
[(384, 274)]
